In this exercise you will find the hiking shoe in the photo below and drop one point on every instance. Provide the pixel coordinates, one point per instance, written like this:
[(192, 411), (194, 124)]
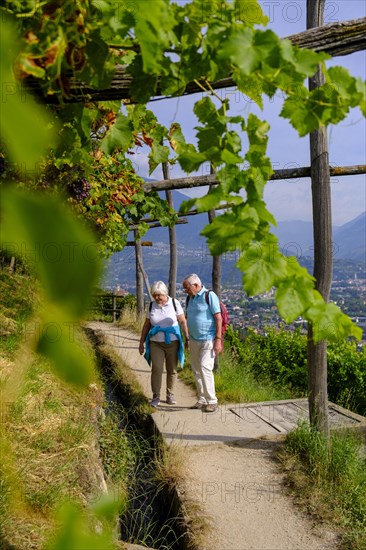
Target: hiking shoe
[(198, 405), (210, 408), (170, 399), (155, 402)]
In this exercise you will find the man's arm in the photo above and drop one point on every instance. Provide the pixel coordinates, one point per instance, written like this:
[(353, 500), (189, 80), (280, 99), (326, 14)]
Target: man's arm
[(218, 344)]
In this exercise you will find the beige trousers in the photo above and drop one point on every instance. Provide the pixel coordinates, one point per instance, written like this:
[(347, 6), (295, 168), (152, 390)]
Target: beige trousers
[(163, 353), (202, 358)]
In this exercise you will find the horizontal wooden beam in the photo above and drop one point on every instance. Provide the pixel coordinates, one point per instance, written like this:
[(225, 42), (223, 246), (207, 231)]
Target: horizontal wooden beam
[(190, 213), (142, 243), (154, 223), (341, 38), (288, 173)]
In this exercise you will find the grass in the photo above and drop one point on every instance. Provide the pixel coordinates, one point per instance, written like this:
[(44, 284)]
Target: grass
[(50, 454), (117, 453), (18, 299), (128, 319), (48, 437), (329, 476), (169, 465), (236, 384)]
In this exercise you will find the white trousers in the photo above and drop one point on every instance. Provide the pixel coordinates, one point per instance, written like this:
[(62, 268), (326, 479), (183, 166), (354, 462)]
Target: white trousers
[(202, 358)]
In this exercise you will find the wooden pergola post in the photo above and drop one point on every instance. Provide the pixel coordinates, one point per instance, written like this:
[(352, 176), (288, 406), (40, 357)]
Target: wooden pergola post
[(323, 262), (173, 264), (216, 260), (139, 277), (216, 271)]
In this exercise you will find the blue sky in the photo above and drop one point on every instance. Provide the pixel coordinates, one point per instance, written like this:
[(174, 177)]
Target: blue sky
[(291, 200)]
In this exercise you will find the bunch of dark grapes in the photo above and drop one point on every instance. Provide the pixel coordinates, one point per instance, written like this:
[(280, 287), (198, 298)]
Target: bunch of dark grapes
[(79, 189), (2, 165)]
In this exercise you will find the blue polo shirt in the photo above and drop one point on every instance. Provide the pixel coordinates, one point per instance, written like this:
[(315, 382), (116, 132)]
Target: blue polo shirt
[(200, 315)]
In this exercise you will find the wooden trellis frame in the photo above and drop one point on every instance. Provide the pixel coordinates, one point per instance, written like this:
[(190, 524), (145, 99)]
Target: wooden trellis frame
[(350, 37), (336, 39)]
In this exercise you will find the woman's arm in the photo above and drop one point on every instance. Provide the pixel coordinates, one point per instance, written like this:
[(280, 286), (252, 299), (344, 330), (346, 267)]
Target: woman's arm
[(184, 327), (144, 331)]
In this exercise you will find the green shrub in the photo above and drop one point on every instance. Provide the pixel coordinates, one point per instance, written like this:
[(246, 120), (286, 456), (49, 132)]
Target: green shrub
[(281, 357), (276, 356), (101, 305), (347, 376)]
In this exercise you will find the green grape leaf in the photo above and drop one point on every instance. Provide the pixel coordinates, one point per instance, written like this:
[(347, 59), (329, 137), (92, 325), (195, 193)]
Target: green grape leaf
[(238, 48), (230, 178), (360, 87), (266, 217), (159, 153), (229, 157), (187, 205), (154, 31), (249, 12), (205, 110), (326, 104), (25, 127), (233, 141), (119, 136), (208, 139), (231, 231), (257, 130), (189, 159), (262, 266), (306, 61), (350, 89), (209, 201), (143, 86), (296, 292), (63, 252), (329, 322), (57, 343), (74, 532), (250, 85), (267, 44), (298, 113)]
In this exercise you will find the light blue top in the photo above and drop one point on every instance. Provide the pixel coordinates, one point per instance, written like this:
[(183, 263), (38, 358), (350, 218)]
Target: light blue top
[(200, 315), (174, 330)]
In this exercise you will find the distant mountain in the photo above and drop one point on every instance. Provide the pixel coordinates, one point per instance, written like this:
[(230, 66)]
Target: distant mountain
[(295, 237), (349, 240)]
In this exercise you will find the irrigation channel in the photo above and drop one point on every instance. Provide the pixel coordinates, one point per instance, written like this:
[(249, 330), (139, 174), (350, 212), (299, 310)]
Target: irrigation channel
[(154, 516)]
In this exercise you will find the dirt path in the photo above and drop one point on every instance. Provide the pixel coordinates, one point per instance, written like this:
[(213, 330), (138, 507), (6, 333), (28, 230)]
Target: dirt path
[(236, 482)]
